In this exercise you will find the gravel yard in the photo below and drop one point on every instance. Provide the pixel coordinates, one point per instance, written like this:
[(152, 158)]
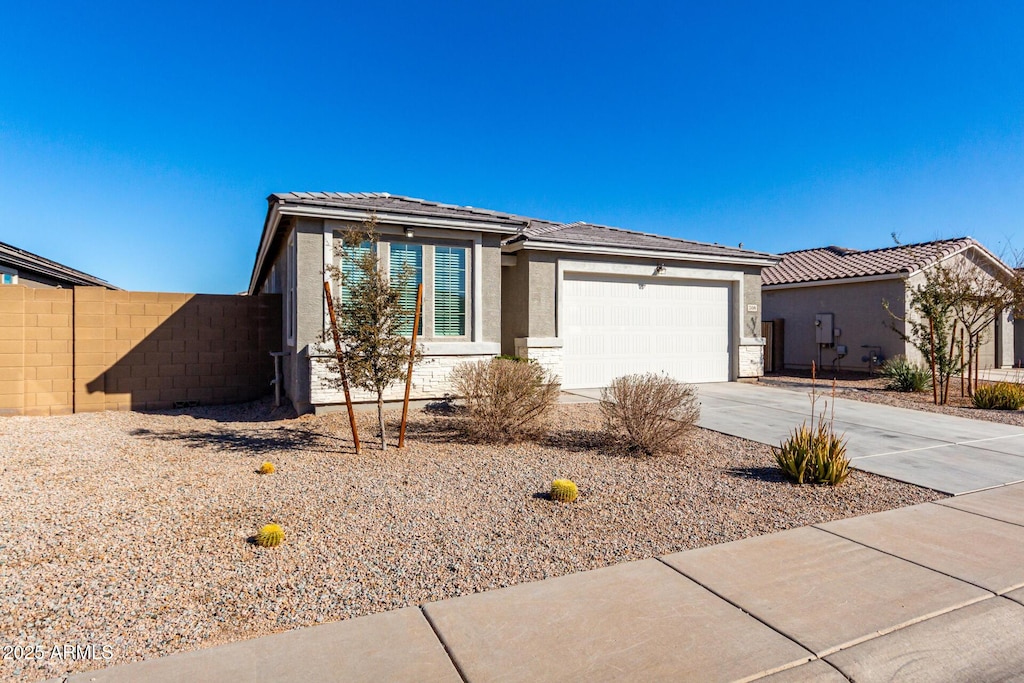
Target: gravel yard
[(872, 389), (129, 530)]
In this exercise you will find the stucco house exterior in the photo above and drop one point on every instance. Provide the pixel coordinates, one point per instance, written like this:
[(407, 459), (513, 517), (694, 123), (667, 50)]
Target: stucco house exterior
[(589, 302), (829, 300), (20, 267)]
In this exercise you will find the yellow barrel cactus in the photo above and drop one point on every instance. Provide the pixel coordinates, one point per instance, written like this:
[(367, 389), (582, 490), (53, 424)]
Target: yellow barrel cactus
[(270, 535), (564, 491)]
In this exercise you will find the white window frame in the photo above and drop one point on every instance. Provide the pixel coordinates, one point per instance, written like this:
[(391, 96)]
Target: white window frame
[(8, 271)]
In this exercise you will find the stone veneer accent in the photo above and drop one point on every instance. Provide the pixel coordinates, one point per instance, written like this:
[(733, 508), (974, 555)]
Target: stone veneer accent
[(546, 351), (429, 380), (751, 357)]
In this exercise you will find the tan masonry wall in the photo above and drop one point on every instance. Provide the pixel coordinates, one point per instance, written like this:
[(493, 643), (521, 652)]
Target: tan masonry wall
[(89, 349)]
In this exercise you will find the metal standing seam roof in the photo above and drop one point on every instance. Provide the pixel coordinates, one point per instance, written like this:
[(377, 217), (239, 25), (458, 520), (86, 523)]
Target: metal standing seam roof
[(837, 263), (26, 261)]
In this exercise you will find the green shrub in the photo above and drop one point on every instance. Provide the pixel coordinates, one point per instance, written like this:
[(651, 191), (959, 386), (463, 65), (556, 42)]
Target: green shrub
[(649, 412), (999, 396), (902, 375), (813, 456), (564, 491), (506, 400)]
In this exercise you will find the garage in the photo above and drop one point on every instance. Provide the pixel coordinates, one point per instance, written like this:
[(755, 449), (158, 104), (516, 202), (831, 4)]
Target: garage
[(613, 326)]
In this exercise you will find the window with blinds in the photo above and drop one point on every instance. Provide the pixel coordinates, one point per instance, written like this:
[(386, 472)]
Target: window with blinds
[(351, 274), (407, 258), (449, 291)]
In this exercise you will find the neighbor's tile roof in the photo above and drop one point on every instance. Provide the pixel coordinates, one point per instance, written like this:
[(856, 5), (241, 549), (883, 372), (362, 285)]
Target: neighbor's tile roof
[(586, 234), (26, 261), (836, 263)]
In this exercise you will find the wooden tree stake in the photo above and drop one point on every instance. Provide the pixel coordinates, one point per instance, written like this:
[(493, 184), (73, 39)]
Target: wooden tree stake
[(408, 374), (341, 364)]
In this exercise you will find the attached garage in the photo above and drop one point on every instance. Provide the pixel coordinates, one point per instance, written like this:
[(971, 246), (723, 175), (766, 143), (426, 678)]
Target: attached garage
[(614, 326), (592, 303)]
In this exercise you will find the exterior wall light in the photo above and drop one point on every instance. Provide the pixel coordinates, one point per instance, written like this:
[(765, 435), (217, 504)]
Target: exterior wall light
[(659, 269), (409, 233)]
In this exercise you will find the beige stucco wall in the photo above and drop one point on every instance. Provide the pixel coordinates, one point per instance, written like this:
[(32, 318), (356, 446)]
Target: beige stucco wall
[(515, 303), (858, 313)]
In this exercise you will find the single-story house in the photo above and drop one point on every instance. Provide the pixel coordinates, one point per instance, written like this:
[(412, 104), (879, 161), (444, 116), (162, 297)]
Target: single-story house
[(20, 267), (589, 302), (829, 302)]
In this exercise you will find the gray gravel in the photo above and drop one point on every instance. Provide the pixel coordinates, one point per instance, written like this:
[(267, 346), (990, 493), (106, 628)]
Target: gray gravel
[(130, 529)]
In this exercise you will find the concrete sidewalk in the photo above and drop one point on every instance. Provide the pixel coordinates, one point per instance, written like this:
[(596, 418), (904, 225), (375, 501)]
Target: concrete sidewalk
[(942, 452), (930, 592)]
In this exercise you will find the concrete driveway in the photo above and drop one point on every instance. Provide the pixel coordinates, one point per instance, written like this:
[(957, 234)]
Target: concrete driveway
[(949, 454)]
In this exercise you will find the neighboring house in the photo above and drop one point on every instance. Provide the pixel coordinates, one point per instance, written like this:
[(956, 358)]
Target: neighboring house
[(830, 301), (1018, 331), (589, 302), (20, 267)]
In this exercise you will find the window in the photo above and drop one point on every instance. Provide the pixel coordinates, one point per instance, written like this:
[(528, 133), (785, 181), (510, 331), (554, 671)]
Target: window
[(349, 265), (408, 258), (449, 291), (290, 308), (8, 278)]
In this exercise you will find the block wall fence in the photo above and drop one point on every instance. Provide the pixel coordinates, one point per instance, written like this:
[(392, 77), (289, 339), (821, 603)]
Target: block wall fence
[(87, 349)]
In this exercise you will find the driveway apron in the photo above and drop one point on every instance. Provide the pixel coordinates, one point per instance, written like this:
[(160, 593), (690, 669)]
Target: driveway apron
[(950, 454)]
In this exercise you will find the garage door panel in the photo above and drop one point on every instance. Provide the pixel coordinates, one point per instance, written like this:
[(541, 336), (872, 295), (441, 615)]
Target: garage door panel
[(612, 327)]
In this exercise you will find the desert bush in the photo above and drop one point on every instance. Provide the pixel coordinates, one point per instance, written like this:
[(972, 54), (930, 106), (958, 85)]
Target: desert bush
[(505, 400), (564, 491), (267, 468), (999, 396), (270, 535), (903, 375), (649, 412), (815, 454)]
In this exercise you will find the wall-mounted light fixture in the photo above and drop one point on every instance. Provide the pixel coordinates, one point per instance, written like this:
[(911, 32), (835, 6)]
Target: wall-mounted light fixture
[(659, 269), (409, 233)]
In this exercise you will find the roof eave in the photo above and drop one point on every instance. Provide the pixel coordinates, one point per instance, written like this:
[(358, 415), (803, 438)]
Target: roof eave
[(755, 259), (901, 275), (400, 218)]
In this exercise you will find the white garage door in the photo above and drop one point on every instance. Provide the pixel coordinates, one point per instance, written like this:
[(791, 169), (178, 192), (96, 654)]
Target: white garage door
[(615, 326)]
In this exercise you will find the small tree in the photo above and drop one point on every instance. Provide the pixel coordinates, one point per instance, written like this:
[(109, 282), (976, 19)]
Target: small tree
[(976, 299), (930, 328), (955, 296), (373, 317)]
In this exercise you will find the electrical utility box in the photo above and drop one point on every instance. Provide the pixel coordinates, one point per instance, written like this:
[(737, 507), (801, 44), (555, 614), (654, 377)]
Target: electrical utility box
[(823, 328)]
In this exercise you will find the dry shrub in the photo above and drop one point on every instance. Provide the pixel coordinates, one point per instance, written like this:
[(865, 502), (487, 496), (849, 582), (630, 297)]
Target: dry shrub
[(649, 413), (506, 400)]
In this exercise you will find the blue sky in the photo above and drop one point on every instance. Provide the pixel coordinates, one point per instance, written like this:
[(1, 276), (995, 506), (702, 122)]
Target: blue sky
[(139, 142)]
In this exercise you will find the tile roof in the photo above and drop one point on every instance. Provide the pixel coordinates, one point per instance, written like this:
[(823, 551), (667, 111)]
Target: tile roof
[(383, 201), (836, 263), (26, 261), (587, 234), (579, 232)]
